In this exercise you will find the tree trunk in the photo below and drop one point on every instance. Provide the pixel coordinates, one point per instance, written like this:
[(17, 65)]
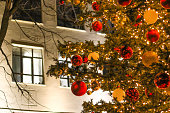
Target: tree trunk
[(4, 24)]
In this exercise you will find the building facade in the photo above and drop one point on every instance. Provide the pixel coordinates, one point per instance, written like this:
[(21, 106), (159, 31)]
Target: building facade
[(30, 51)]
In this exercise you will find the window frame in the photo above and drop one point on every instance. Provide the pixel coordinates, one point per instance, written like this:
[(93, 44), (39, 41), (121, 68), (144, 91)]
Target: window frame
[(21, 46)]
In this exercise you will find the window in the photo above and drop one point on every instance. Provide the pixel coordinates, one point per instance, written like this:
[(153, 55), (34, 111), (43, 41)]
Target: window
[(28, 10), (65, 80), (67, 15), (27, 64)]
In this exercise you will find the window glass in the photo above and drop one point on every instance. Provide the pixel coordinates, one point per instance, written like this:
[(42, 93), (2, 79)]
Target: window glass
[(16, 51), (67, 15), (27, 79), (16, 64), (64, 82), (26, 65), (28, 10), (37, 66), (17, 77), (27, 52), (38, 80), (37, 53)]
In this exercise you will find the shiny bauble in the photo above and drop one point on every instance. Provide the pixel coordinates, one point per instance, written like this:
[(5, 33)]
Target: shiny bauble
[(95, 85), (76, 2), (58, 71), (78, 88), (96, 6), (133, 94), (124, 3), (148, 93), (126, 52), (85, 59), (165, 4), (137, 21), (150, 16), (162, 80), (152, 35), (61, 2), (93, 56), (89, 92), (119, 94), (97, 25), (149, 57), (76, 60)]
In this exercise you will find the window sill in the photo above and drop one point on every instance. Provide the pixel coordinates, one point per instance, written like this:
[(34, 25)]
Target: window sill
[(64, 87), (26, 22), (28, 84)]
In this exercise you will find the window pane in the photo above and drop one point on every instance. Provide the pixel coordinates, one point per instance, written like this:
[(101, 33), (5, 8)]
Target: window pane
[(38, 80), (27, 66), (27, 79), (67, 15), (37, 53), (16, 51), (37, 66), (16, 64), (27, 52), (17, 77), (64, 82), (28, 10)]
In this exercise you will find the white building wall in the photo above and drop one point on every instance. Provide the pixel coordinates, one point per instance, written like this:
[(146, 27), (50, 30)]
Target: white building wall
[(51, 94)]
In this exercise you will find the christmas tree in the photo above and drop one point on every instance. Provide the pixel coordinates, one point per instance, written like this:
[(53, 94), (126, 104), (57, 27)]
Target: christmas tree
[(134, 57)]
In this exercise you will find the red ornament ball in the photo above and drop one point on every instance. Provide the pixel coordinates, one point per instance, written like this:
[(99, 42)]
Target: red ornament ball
[(152, 35), (132, 93), (124, 3), (95, 6), (148, 94), (85, 59), (137, 21), (165, 4), (117, 49), (126, 52), (61, 2), (76, 60), (78, 88), (97, 25), (162, 80)]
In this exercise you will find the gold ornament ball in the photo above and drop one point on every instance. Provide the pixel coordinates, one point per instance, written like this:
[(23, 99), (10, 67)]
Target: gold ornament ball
[(119, 94), (94, 56), (81, 18), (150, 16), (167, 90), (58, 72), (149, 57), (76, 2), (95, 85), (89, 92)]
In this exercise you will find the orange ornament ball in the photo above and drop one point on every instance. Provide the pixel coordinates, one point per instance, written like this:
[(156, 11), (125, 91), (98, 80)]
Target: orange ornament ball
[(165, 4), (76, 60), (78, 88), (124, 3), (97, 25), (152, 35), (162, 80)]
